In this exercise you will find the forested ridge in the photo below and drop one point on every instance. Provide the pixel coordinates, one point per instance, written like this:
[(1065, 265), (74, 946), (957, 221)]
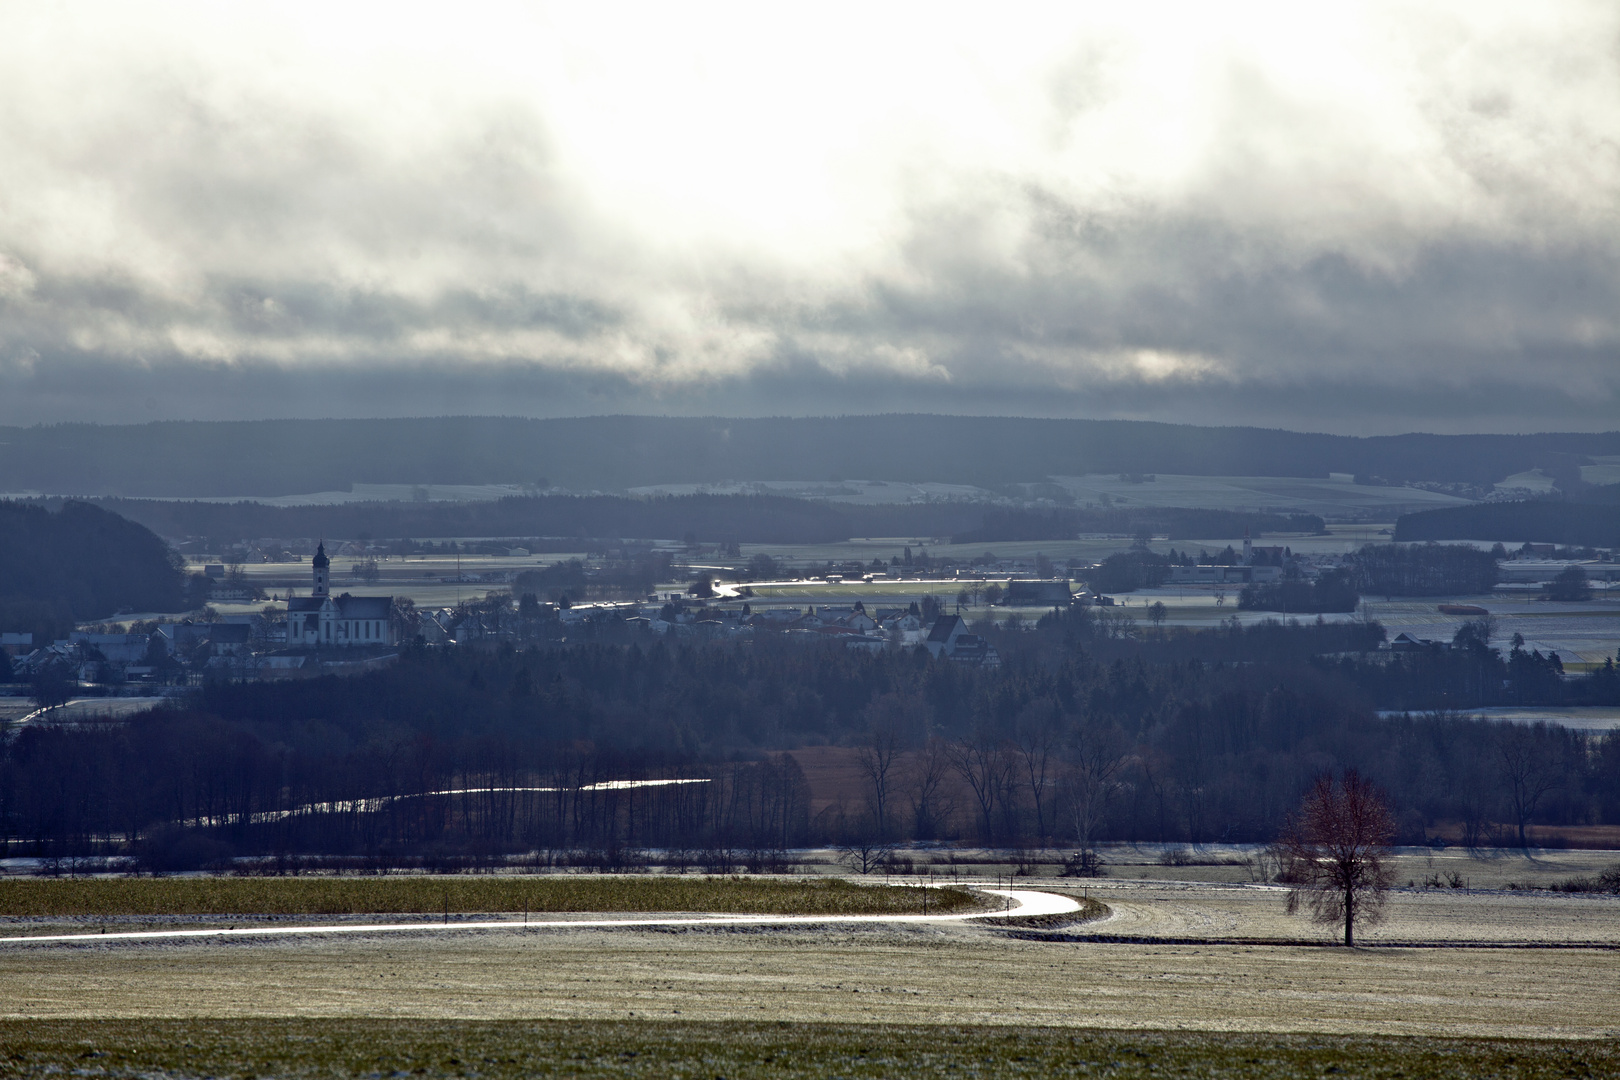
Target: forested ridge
[(746, 519), (1546, 521), (79, 563), (611, 453), (1089, 731)]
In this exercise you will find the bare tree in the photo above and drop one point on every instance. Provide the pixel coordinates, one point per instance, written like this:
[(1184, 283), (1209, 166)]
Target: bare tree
[(1527, 766), (983, 763), (1091, 783), (1037, 740), (877, 754), (930, 809), (860, 848), (1335, 850), (863, 854)]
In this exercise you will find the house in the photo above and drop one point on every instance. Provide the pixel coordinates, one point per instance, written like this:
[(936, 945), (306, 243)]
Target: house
[(778, 616), (941, 640), (322, 620), (1224, 575), (59, 656), (870, 643), (974, 650), (948, 639), (855, 617), (436, 627), (1404, 642), (113, 648), (282, 667), (216, 638), (810, 620), (1038, 593), (861, 621)]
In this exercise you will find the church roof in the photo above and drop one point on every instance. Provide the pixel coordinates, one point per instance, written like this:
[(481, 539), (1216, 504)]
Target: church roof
[(321, 562), (348, 607), (364, 607)]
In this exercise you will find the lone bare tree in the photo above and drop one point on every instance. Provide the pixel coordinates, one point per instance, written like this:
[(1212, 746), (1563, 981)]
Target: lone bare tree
[(1335, 850)]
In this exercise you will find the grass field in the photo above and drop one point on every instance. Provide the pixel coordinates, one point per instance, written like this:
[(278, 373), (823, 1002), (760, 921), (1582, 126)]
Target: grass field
[(605, 1048), (90, 897)]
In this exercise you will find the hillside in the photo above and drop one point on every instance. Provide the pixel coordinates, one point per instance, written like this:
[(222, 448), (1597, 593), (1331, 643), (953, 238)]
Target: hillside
[(613, 453), (79, 563), (747, 519)]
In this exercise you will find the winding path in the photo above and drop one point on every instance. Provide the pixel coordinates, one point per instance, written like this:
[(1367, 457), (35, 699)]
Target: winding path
[(1028, 902)]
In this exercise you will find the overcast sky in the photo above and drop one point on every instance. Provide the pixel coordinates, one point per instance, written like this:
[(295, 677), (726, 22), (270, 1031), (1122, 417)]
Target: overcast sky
[(1366, 220)]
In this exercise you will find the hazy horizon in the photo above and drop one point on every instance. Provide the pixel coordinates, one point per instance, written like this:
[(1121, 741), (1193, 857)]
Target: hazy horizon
[(1595, 429)]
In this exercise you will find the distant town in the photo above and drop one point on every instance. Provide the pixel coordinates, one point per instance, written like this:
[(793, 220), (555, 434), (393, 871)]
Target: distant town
[(335, 623)]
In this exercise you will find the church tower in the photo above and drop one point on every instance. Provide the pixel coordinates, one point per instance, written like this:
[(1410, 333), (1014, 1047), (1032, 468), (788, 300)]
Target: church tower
[(321, 564)]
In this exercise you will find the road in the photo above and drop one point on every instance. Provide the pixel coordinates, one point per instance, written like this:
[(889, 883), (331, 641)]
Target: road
[(1024, 902)]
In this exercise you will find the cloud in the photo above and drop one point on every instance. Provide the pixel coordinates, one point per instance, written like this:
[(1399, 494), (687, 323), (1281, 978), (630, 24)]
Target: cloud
[(1365, 219)]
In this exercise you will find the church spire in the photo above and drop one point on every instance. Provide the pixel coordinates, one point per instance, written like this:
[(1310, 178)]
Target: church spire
[(320, 565)]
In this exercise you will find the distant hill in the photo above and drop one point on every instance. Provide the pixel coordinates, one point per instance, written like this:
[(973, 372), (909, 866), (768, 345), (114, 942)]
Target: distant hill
[(745, 519), (80, 563), (613, 453)]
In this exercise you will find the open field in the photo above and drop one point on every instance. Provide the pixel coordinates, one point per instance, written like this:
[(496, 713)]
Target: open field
[(1581, 633), (1198, 978), (1581, 718), (941, 973), (1585, 632), (37, 898), (15, 708), (1337, 495), (1340, 538), (1183, 911), (1486, 869), (621, 1048)]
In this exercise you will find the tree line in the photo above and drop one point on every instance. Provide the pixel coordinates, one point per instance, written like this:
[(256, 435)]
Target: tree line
[(1088, 732), (1545, 521), (749, 519)]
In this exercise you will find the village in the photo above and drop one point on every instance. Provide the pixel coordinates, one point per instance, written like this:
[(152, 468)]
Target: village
[(944, 606)]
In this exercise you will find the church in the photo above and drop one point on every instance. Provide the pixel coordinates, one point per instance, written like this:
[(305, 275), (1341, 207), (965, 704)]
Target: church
[(323, 620)]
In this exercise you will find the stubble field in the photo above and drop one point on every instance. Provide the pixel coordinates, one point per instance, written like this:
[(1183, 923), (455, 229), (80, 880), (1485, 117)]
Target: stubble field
[(1171, 955), (1211, 978)]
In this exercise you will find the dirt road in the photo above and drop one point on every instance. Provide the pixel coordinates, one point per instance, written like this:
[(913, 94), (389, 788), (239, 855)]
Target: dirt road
[(1021, 903), (960, 972)]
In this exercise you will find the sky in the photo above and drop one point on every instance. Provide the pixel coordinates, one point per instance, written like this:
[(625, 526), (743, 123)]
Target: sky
[(1360, 218)]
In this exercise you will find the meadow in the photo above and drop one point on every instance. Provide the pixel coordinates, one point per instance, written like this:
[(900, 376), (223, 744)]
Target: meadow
[(40, 898), (618, 1048)]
